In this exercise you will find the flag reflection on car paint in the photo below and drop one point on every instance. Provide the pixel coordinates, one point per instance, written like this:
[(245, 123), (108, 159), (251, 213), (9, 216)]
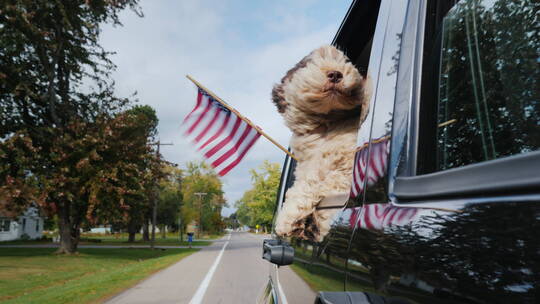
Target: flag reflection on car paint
[(370, 163), (380, 216)]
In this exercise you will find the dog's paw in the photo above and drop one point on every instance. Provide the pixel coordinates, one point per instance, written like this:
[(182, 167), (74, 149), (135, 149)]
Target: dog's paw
[(306, 229), (282, 228), (290, 220)]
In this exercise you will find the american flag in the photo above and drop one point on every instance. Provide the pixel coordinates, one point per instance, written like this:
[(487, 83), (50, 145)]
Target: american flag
[(222, 137), (380, 216), (370, 163)]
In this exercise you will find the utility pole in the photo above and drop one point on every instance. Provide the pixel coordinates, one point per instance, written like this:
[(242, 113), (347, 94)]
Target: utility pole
[(200, 195), (155, 194)]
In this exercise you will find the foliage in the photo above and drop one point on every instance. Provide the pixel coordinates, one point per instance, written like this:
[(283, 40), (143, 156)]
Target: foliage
[(200, 178), (232, 221), (170, 197), (64, 140), (142, 131), (257, 205)]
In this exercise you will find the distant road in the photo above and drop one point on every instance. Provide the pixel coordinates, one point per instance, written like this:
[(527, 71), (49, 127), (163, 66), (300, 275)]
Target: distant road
[(230, 270)]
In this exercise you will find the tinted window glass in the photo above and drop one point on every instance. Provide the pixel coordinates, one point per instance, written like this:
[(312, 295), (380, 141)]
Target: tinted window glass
[(484, 96)]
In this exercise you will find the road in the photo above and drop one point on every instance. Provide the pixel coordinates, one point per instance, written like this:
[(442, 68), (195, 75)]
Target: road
[(230, 270)]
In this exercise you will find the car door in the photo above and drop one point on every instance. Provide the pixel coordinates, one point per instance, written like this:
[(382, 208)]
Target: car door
[(454, 218)]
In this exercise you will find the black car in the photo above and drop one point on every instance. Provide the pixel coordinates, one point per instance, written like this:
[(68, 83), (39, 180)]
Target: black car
[(445, 198)]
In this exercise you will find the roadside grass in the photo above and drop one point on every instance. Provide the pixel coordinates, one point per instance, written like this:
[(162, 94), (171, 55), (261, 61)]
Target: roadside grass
[(320, 278), (36, 275), (121, 239)]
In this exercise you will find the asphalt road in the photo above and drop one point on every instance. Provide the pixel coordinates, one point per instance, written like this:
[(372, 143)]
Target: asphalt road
[(230, 270)]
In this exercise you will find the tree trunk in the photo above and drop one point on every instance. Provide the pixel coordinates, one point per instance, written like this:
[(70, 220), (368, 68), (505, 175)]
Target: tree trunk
[(132, 230), (163, 232), (380, 277), (146, 234), (181, 228), (69, 231)]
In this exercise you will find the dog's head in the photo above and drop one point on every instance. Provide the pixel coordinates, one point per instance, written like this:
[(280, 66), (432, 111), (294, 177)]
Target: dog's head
[(322, 82)]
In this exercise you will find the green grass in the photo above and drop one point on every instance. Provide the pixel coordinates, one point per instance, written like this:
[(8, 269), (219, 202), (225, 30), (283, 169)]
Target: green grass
[(121, 239), (170, 239), (36, 275), (318, 277)]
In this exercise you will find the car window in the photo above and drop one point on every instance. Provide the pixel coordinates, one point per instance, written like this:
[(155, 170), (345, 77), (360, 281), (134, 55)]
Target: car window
[(480, 94)]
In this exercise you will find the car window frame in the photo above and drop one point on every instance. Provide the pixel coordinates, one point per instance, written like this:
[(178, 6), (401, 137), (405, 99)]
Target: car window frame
[(505, 176)]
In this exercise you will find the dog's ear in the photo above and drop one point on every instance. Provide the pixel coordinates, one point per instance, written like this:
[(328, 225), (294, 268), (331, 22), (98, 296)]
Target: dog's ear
[(278, 98)]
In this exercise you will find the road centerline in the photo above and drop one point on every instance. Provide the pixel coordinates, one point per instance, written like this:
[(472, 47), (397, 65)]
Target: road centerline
[(199, 294)]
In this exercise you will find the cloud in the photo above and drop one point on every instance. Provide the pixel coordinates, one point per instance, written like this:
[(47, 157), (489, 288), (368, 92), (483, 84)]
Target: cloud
[(237, 52)]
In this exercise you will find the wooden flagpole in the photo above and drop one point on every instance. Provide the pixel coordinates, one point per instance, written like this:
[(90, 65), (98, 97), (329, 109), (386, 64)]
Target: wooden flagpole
[(241, 116)]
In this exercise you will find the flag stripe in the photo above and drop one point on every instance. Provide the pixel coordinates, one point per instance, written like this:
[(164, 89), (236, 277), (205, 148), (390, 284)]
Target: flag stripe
[(229, 145), (366, 171), (380, 216), (199, 98), (219, 134), (241, 156), (201, 117), (245, 144), (208, 126), (231, 151), (224, 141)]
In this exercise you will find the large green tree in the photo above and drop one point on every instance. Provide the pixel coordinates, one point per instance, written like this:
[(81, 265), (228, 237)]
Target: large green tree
[(258, 204), (170, 198), (206, 209), (139, 135), (60, 123)]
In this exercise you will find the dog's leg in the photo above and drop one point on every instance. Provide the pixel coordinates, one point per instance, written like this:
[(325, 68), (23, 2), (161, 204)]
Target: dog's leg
[(337, 181), (300, 200), (324, 219), (299, 203)]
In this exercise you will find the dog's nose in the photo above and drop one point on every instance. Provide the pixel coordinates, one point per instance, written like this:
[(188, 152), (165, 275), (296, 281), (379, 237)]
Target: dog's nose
[(334, 76)]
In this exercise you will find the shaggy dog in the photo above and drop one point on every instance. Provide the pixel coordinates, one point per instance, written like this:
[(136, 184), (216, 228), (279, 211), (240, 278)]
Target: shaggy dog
[(322, 100)]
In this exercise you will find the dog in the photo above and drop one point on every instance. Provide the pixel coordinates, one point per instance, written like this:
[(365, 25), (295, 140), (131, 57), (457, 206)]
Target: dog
[(323, 100)]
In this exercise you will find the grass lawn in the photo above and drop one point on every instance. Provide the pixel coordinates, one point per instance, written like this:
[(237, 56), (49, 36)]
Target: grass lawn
[(171, 239), (324, 279), (35, 275), (121, 239), (320, 278)]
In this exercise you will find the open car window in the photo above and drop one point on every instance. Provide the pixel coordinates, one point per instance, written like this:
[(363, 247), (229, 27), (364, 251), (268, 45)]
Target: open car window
[(482, 98), (479, 115)]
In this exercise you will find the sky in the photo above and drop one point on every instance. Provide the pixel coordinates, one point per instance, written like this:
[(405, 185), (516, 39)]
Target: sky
[(237, 49)]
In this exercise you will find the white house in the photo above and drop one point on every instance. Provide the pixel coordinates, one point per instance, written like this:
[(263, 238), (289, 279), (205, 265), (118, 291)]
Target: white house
[(30, 223), (101, 229)]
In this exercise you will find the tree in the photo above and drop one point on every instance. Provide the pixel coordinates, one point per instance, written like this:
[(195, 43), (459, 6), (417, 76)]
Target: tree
[(257, 205), (60, 123), (170, 198), (232, 221), (142, 131), (199, 177)]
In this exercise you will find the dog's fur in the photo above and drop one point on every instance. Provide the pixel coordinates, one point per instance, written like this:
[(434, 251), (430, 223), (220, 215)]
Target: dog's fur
[(324, 117)]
